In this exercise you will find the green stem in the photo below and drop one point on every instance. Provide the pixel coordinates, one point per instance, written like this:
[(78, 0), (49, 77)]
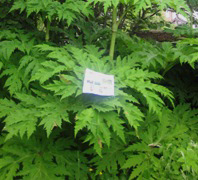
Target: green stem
[(114, 31), (47, 31), (191, 18), (115, 25), (191, 23)]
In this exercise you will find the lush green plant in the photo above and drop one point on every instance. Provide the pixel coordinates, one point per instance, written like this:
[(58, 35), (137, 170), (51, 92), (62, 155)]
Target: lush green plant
[(51, 130)]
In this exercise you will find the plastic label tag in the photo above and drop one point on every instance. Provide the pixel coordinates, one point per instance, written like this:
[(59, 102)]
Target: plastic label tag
[(98, 83)]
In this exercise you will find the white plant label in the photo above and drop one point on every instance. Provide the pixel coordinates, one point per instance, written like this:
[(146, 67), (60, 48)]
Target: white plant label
[(98, 83)]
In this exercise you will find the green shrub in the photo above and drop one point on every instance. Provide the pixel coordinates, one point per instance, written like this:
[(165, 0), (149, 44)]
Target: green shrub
[(50, 129)]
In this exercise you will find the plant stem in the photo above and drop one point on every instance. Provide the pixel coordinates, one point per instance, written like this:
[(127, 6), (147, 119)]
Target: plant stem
[(115, 25), (191, 23), (114, 31), (47, 31)]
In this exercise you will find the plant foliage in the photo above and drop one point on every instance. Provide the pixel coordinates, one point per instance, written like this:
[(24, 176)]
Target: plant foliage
[(50, 129)]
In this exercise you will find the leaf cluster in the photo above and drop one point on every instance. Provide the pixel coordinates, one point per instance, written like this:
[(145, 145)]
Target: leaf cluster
[(50, 129)]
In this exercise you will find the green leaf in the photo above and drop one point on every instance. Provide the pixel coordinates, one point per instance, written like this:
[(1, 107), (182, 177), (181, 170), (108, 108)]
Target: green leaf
[(133, 161), (37, 158), (84, 119), (14, 80), (1, 65), (19, 5), (113, 120), (8, 47), (141, 168), (111, 159), (21, 121), (52, 115), (62, 89)]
